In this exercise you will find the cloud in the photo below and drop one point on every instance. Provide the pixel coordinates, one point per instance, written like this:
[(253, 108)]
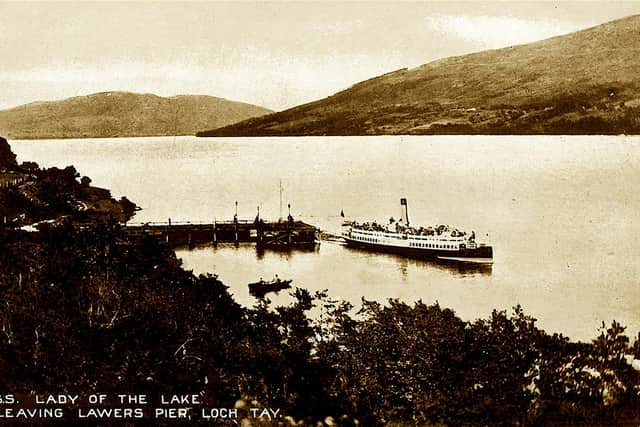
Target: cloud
[(493, 32)]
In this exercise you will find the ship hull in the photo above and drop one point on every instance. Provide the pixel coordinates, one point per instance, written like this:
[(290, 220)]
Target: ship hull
[(479, 255)]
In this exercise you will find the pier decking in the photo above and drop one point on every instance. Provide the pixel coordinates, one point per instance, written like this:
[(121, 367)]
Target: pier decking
[(287, 233)]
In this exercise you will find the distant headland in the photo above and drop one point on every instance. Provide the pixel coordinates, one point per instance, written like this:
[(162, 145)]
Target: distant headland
[(120, 114)]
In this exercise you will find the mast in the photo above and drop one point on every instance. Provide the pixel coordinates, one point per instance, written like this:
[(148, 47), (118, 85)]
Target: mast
[(280, 217)]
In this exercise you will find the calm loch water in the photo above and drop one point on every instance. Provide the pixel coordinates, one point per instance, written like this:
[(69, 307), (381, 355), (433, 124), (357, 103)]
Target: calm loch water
[(561, 213)]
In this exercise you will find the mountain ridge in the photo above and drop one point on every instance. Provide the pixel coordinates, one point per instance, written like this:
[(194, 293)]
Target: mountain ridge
[(579, 83), (122, 114)]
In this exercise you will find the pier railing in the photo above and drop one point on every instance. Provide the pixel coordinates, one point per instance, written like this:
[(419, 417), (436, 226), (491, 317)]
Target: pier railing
[(185, 223), (263, 233)]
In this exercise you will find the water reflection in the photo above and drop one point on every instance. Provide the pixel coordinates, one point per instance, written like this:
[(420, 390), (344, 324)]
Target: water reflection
[(286, 252), (456, 268), (404, 265)]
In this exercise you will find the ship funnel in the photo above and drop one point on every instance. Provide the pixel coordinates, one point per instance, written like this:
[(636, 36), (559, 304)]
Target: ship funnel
[(404, 211)]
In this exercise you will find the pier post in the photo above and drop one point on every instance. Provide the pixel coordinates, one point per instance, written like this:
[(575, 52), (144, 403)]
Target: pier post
[(168, 230), (289, 225), (235, 224), (215, 237)]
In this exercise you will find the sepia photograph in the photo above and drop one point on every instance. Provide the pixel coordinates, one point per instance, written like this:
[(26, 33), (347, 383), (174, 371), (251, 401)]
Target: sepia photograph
[(313, 213)]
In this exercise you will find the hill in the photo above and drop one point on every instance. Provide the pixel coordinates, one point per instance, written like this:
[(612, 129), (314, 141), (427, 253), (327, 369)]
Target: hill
[(582, 83), (114, 114)]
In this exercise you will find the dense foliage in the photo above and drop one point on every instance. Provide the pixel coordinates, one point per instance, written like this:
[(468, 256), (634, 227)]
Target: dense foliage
[(7, 158), (83, 308), (31, 194)]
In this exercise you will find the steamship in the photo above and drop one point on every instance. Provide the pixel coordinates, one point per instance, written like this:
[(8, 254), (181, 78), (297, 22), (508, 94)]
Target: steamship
[(400, 237)]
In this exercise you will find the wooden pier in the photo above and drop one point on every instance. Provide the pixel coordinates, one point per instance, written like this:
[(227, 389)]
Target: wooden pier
[(282, 234)]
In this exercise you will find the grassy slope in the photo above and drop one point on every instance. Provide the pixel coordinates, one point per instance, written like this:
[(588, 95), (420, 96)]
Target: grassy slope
[(585, 82), (111, 114)]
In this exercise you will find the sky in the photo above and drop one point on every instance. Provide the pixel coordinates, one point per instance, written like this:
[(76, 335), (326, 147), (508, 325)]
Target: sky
[(273, 54)]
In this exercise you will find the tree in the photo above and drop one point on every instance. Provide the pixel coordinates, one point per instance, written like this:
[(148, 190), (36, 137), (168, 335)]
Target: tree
[(7, 158)]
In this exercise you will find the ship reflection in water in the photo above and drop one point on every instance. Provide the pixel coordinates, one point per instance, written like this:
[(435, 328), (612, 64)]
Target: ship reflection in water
[(456, 268)]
